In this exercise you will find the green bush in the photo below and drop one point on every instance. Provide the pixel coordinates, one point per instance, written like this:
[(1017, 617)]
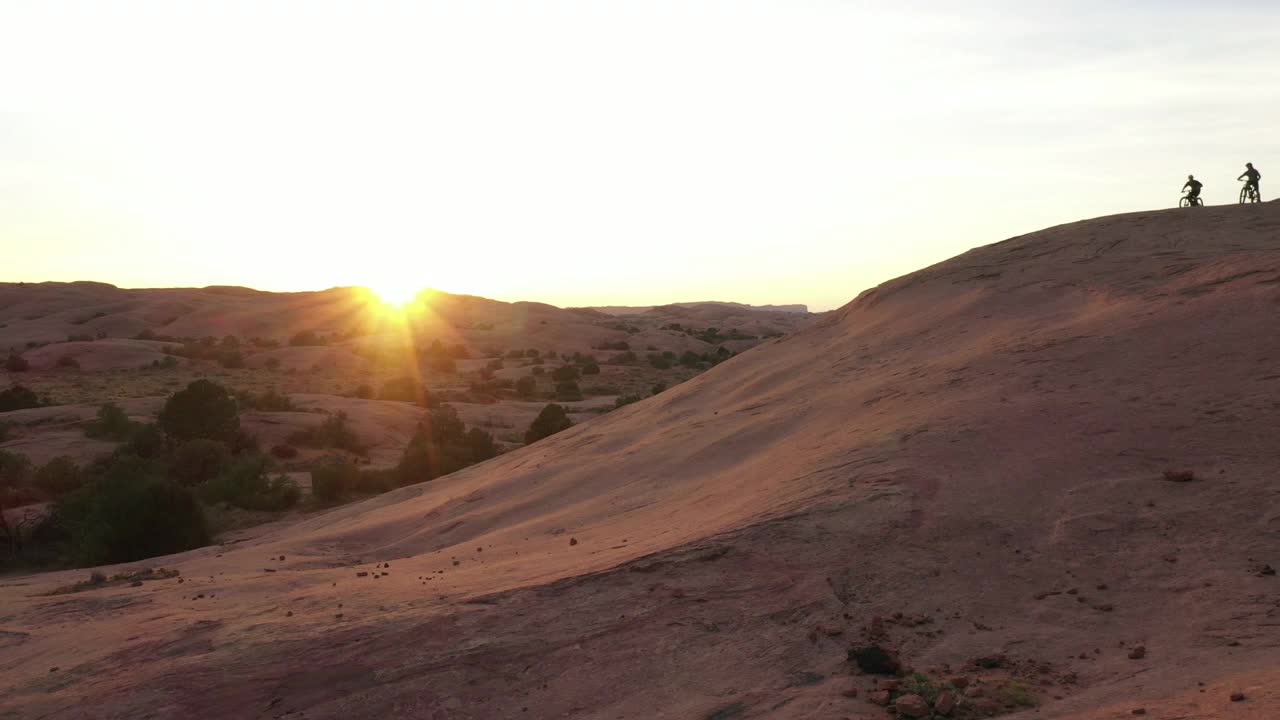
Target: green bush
[(442, 445), (198, 461), (247, 484), (591, 368), (565, 373), (332, 433), (526, 386), (59, 476), (16, 363), (550, 421), (147, 441), (364, 392), (129, 514), (659, 387), (18, 397), (568, 391), (204, 409), (307, 338), (270, 401), (111, 424), (284, 452), (331, 482), (231, 359), (626, 400)]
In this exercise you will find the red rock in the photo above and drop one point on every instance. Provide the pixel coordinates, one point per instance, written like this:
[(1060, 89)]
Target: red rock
[(889, 685), (1138, 653), (850, 693), (945, 703), (1237, 697), (911, 706), (879, 697), (959, 682)]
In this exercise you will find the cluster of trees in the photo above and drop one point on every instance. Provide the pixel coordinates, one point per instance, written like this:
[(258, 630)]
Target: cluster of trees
[(148, 496), (441, 445)]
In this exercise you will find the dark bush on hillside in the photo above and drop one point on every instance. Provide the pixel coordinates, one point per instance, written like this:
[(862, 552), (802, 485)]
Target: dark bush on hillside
[(59, 476), (614, 345), (284, 452), (80, 337), (550, 421), (539, 370), (269, 401), (626, 400), (272, 363), (331, 482), (332, 433), (405, 389), (16, 363), (198, 461), (564, 373), (67, 361), (111, 424), (231, 359), (691, 359), (515, 354), (307, 338), (364, 392), (147, 441), (526, 386), (442, 445), (204, 409), (591, 368), (15, 469), (18, 397), (532, 352), (495, 364), (4, 431), (129, 514), (568, 391), (443, 365), (659, 388), (247, 484)]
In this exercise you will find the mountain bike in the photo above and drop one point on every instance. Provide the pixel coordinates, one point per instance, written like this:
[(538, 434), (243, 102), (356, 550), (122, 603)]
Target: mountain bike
[(1188, 201), (1249, 193)]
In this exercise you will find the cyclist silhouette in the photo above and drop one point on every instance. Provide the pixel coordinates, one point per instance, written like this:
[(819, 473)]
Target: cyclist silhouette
[(1194, 185), (1253, 177)]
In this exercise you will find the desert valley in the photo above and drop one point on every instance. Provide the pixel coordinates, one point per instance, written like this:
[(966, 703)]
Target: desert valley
[(1036, 479)]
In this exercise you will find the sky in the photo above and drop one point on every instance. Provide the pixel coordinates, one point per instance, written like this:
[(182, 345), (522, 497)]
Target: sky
[(600, 152)]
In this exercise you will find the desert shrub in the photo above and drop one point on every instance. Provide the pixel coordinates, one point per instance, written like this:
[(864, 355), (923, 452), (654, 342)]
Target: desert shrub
[(376, 481), (515, 354), (204, 409), (405, 389), (272, 363), (15, 469), (550, 421), (591, 368), (80, 337), (168, 362), (626, 358), (926, 687), (147, 441), (198, 461), (495, 364), (331, 481), (129, 514), (112, 423), (16, 363), (307, 338), (284, 452), (568, 391), (691, 359), (60, 475), (231, 359), (18, 397), (526, 386), (565, 373), (459, 352), (659, 387), (1017, 694), (5, 430), (539, 370), (626, 400), (270, 401), (614, 345), (532, 352), (364, 392), (332, 433), (442, 445), (67, 361), (230, 342), (246, 483)]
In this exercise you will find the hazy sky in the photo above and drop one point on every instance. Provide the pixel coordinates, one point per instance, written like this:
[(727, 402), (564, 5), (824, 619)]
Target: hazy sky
[(602, 152)]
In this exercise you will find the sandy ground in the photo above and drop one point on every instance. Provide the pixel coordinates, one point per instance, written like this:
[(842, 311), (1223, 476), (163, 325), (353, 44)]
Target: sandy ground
[(978, 446)]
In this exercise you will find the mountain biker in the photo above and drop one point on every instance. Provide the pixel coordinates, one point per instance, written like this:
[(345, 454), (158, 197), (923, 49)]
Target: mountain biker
[(1254, 176), (1195, 186)]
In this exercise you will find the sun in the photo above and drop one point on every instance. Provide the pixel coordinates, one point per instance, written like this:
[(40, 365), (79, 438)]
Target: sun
[(396, 294)]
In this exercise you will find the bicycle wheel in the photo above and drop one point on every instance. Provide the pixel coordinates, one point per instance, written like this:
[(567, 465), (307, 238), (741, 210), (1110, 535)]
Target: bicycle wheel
[(1184, 202), (1247, 195)]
